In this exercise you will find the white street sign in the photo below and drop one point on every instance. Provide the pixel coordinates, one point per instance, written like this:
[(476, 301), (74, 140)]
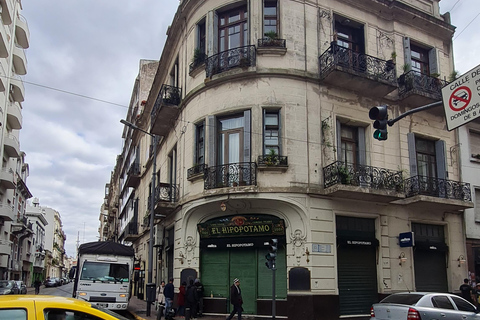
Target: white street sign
[(461, 99)]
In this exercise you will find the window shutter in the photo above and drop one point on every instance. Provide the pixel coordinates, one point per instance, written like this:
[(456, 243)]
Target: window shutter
[(212, 33), (212, 146), (412, 154), (476, 197), (362, 154), (441, 159), (433, 61), (195, 149), (407, 51), (339, 141), (247, 135)]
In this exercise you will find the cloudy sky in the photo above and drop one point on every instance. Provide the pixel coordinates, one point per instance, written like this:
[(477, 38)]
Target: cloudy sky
[(82, 63)]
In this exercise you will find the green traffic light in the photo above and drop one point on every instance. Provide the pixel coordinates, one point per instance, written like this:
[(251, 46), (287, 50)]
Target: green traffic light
[(380, 135)]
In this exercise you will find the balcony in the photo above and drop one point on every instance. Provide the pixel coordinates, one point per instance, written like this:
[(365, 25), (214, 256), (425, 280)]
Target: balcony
[(271, 46), (11, 146), (166, 198), (356, 71), (419, 89), (19, 61), (362, 182), (242, 57), (197, 62), (3, 42), (196, 171), (231, 175), (6, 212), (133, 175), (131, 231), (272, 162), (429, 193), (22, 32), (5, 247), (165, 110), (18, 89), (14, 115), (7, 178), (7, 11)]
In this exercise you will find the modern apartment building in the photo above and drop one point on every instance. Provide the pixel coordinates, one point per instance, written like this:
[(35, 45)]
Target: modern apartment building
[(14, 241), (262, 109)]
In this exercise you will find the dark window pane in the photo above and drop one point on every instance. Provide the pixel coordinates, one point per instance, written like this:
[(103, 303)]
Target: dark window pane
[(442, 302)]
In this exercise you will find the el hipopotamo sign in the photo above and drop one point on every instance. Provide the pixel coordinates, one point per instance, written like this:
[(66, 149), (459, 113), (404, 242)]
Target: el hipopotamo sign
[(461, 99)]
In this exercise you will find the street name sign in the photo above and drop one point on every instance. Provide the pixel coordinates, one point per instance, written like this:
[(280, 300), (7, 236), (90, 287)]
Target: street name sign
[(461, 99)]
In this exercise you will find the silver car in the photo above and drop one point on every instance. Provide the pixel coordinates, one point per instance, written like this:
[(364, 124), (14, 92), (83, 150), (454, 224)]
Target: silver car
[(21, 287), (424, 306)]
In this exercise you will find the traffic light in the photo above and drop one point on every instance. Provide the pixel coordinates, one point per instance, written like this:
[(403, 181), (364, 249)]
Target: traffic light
[(272, 253), (380, 115)]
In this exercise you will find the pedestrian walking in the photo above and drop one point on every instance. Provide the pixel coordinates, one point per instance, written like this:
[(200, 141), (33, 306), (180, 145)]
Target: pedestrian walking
[(169, 293), (182, 290), (191, 301), (160, 300), (200, 290), (37, 283), (236, 299), (466, 291)]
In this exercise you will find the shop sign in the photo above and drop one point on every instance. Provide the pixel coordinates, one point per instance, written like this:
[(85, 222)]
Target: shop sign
[(406, 239), (242, 226)]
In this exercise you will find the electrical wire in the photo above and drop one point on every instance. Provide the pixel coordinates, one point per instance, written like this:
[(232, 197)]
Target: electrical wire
[(458, 35)]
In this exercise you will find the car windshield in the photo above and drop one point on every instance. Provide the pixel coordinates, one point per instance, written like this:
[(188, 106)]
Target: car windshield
[(104, 272), (5, 284), (406, 299)]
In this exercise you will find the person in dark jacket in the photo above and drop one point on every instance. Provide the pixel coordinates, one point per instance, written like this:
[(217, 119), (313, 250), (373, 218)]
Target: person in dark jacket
[(181, 299), (168, 292), (191, 301), (200, 290), (236, 299), (466, 291)]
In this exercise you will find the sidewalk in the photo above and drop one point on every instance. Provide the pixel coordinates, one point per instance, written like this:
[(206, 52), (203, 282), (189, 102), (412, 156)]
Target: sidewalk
[(138, 308)]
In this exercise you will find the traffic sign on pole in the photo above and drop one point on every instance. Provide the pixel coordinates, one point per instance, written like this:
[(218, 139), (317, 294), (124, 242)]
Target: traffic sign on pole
[(461, 99)]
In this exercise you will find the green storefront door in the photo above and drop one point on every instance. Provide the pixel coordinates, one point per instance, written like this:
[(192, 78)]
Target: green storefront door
[(243, 265)]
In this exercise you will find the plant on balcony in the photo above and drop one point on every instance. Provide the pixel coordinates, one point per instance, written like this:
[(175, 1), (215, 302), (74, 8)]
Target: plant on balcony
[(272, 158), (402, 80), (198, 57), (453, 76), (271, 39), (391, 63), (345, 175), (244, 62)]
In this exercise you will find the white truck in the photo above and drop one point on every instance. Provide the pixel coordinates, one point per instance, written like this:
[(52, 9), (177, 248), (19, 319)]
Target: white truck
[(104, 273)]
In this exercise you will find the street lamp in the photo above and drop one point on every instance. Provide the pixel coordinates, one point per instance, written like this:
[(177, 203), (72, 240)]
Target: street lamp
[(150, 285)]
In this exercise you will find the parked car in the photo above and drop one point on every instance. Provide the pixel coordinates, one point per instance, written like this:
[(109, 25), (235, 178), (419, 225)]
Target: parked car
[(34, 307), (8, 287), (21, 287), (424, 306), (51, 282)]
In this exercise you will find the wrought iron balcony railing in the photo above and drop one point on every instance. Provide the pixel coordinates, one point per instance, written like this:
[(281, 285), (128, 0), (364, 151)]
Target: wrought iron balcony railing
[(197, 61), (422, 83), (196, 170), (435, 187), (272, 43), (356, 62), (272, 160), (168, 95), (134, 169), (165, 192), (363, 176), (230, 175), (239, 57)]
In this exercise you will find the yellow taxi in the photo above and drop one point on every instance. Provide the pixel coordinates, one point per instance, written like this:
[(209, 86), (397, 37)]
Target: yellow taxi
[(38, 307)]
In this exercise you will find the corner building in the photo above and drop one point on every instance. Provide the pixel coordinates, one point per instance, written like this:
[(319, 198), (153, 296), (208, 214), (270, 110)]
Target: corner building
[(263, 107)]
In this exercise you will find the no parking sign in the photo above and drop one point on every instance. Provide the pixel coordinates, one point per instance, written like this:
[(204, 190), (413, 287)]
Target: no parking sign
[(461, 99)]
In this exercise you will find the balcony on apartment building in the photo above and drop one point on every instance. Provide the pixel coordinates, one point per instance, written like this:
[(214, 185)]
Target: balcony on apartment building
[(6, 212), (432, 193), (14, 115), (272, 162), (18, 89), (7, 178), (5, 247), (230, 175), (419, 89), (3, 42), (196, 171), (272, 46), (22, 32), (133, 175), (362, 182), (131, 231), (19, 60), (7, 11), (241, 57), (11, 146), (166, 198), (21, 227), (165, 110), (357, 71)]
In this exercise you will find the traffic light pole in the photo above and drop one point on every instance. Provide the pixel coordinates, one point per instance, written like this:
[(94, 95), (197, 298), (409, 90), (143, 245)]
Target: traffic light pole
[(274, 269), (422, 108)]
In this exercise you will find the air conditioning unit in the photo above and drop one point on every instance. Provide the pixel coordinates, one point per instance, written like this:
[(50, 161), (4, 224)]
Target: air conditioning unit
[(158, 235)]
